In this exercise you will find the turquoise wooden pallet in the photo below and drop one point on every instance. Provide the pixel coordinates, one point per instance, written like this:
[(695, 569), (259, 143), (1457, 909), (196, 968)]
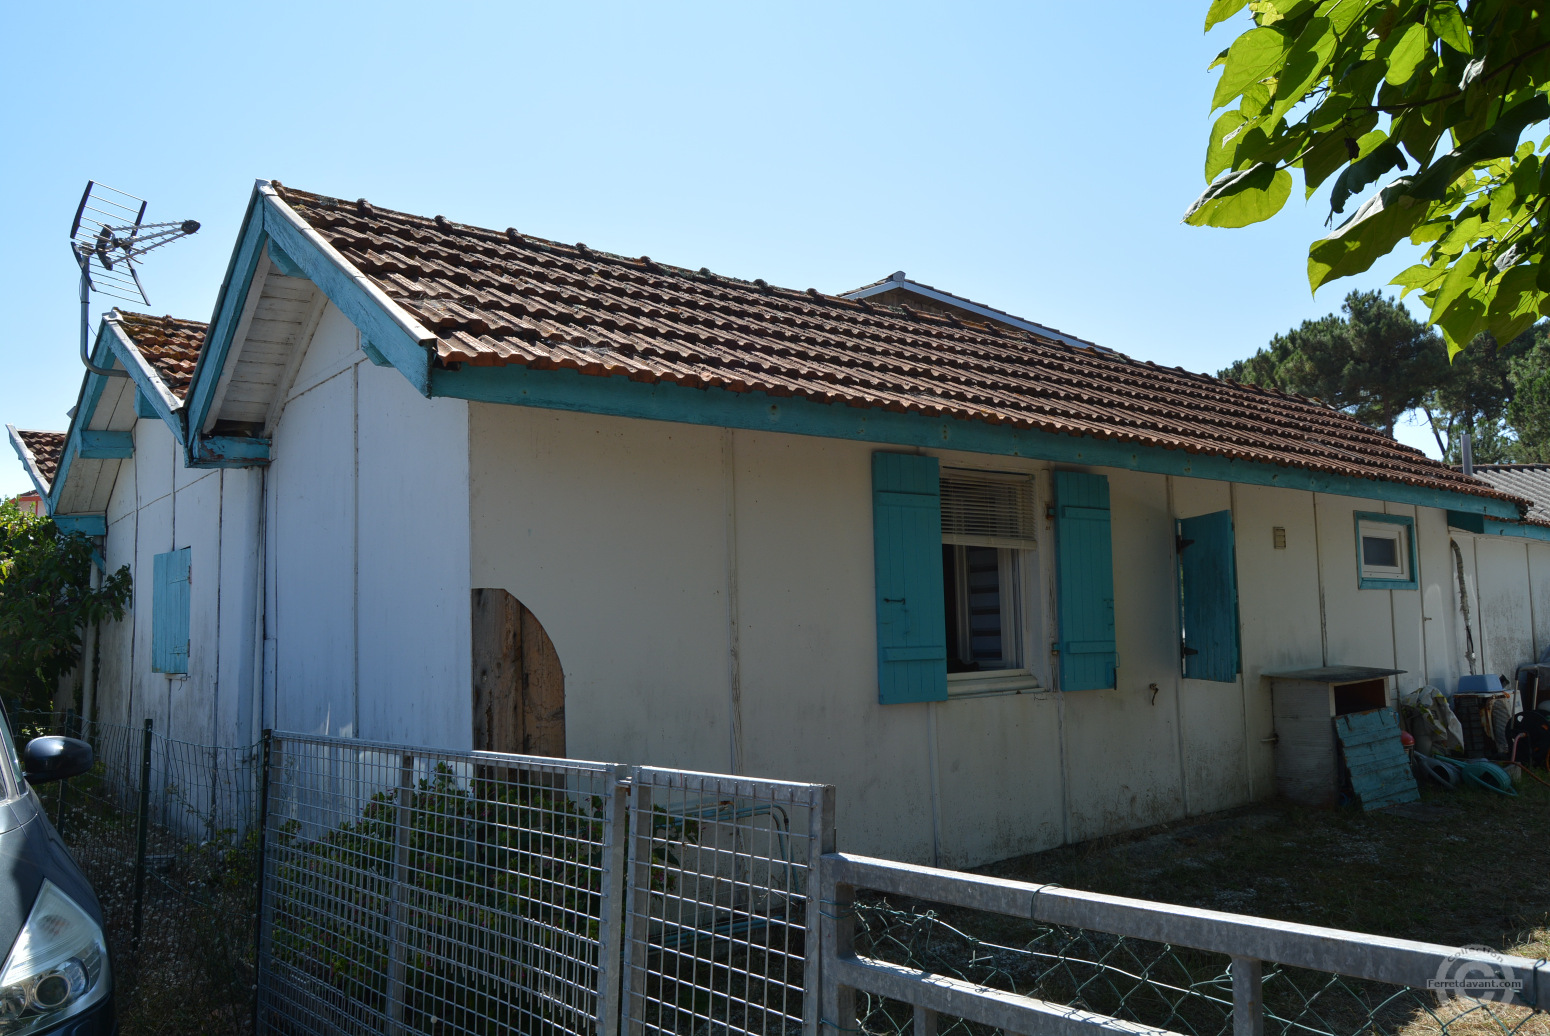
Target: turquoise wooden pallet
[(1380, 770)]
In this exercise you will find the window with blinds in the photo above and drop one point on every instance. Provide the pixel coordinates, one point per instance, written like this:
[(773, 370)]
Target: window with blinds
[(984, 509)]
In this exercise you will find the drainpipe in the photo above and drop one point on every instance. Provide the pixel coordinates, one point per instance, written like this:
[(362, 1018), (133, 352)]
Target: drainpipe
[(89, 655)]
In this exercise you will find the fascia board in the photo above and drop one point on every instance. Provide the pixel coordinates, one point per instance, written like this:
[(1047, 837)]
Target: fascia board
[(229, 303), (399, 337), (167, 406), (758, 411), (29, 462), (85, 407)]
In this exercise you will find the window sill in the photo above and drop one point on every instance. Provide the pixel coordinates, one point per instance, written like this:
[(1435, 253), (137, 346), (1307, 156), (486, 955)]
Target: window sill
[(1372, 583), (1001, 681)]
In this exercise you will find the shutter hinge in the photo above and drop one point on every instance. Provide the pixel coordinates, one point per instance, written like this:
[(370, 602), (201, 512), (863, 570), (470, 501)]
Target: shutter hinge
[(1054, 649), (1181, 543), (1185, 651)]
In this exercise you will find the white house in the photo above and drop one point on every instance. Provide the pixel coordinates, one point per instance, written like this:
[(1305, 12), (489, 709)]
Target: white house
[(425, 482)]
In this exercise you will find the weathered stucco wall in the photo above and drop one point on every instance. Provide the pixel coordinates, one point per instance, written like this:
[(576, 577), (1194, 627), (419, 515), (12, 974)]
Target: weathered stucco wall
[(710, 594), (366, 552)]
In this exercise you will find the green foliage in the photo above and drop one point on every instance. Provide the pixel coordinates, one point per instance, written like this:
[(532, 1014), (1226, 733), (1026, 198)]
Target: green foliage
[(1529, 411), (46, 600), (1440, 91), (1376, 362)]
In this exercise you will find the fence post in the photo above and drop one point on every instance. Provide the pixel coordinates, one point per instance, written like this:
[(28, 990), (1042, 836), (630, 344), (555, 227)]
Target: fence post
[(397, 928), (266, 763), (637, 902), (610, 949), (1248, 1003), (821, 840), (142, 834), (836, 905)]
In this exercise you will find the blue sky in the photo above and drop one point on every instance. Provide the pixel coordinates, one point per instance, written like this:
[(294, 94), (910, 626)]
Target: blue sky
[(1034, 156)]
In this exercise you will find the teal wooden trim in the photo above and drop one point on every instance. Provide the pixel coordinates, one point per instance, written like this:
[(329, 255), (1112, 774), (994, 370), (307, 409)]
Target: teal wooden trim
[(1208, 597), (229, 451), (282, 262), (170, 612), (1467, 522), (85, 407), (911, 612), (106, 445), (410, 356), (1365, 583), (373, 353), (1519, 529), (758, 411), (85, 524), (228, 313), (150, 391), (1087, 653)]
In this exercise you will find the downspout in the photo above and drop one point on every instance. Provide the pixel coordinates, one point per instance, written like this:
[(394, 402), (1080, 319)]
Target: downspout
[(89, 653)]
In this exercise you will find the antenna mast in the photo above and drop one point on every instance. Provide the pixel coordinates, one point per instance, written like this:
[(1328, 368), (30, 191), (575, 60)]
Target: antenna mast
[(107, 239)]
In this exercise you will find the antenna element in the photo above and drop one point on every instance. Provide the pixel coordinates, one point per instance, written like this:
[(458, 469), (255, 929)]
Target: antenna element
[(107, 238)]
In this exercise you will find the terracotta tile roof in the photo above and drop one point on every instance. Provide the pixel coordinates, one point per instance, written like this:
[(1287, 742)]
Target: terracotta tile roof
[(500, 297), (169, 345), (1531, 481), (45, 448)]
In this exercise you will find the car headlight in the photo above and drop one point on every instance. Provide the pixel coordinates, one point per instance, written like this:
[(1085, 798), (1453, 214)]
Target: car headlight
[(57, 967)]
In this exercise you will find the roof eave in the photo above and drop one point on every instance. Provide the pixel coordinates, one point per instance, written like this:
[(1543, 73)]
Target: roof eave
[(29, 462), (146, 378)]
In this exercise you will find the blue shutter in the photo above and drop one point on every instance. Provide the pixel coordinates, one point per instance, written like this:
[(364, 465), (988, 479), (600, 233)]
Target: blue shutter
[(169, 612), (911, 617), (1208, 594), (1084, 581)]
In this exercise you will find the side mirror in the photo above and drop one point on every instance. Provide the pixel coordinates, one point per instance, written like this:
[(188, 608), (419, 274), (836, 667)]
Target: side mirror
[(55, 759)]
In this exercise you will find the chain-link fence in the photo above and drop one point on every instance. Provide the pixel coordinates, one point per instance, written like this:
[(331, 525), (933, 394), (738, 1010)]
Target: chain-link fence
[(166, 832), (928, 968)]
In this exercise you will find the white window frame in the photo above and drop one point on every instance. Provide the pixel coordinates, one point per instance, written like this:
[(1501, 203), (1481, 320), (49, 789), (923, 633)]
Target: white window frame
[(1401, 530), (1020, 568)]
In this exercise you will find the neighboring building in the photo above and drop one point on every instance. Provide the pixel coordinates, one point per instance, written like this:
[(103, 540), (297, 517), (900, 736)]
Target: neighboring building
[(425, 482)]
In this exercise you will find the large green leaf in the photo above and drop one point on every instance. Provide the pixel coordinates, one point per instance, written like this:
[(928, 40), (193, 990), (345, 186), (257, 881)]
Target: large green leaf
[(1372, 231), (1447, 24), (1221, 10), (1255, 55), (1407, 54), (1219, 153), (1305, 63), (1245, 197)]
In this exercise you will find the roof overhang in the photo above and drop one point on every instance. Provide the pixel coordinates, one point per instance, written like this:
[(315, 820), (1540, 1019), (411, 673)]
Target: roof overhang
[(275, 240), (29, 462)]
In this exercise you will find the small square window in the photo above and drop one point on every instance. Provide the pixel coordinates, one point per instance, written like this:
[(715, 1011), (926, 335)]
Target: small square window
[(1385, 547)]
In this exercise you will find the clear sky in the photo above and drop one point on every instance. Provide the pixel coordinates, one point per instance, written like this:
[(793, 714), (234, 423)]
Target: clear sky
[(1032, 156)]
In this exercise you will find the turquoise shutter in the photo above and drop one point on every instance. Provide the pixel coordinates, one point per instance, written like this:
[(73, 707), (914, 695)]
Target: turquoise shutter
[(1084, 581), (911, 617), (169, 612), (1208, 594)]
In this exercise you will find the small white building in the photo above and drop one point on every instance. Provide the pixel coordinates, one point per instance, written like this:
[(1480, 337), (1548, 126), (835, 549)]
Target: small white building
[(428, 483)]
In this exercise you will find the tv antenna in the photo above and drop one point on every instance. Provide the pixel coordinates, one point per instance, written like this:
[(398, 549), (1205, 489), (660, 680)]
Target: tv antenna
[(107, 239)]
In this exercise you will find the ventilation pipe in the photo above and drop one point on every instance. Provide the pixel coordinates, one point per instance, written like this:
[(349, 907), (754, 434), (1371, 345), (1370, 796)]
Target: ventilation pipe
[(1466, 454)]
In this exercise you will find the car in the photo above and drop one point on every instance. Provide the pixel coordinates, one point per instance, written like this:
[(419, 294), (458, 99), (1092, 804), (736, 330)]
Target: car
[(56, 979)]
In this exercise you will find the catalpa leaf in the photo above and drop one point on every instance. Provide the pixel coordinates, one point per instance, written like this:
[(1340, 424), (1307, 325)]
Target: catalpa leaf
[(1255, 55), (1364, 172), (1447, 24), (1382, 222), (1221, 10), (1407, 54), (1219, 153), (1305, 63), (1245, 197)]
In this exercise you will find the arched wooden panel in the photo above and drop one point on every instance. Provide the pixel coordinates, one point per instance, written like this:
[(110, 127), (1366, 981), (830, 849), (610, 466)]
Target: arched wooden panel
[(519, 686)]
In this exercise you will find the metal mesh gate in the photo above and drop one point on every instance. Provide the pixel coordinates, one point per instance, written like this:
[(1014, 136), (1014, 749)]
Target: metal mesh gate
[(423, 891), (721, 923)]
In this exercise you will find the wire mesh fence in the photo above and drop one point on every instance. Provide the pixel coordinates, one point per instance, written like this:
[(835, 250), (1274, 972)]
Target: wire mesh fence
[(166, 832), (412, 890), (971, 955), (721, 930)]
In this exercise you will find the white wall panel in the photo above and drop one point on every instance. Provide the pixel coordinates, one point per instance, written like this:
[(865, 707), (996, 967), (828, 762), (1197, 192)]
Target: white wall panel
[(1502, 563)]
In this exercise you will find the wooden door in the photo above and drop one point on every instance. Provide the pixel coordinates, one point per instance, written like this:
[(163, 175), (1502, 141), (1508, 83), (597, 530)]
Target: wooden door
[(519, 687)]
